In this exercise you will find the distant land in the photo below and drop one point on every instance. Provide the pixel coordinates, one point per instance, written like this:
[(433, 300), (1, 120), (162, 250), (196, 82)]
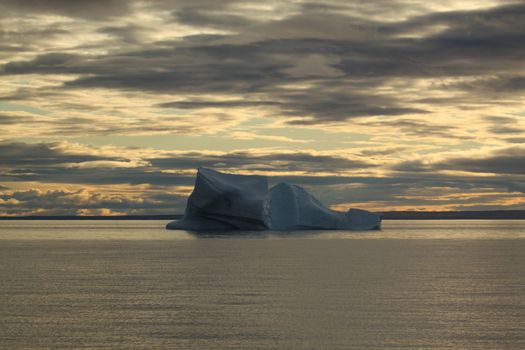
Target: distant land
[(458, 215), (390, 215)]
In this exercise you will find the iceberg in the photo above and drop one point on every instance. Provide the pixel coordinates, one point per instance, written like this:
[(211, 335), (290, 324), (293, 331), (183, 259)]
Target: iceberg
[(222, 201)]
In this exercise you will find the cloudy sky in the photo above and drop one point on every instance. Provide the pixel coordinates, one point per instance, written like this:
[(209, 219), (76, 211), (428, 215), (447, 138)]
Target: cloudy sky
[(109, 106)]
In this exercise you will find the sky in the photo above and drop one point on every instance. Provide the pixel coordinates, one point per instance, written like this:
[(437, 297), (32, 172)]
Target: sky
[(110, 106)]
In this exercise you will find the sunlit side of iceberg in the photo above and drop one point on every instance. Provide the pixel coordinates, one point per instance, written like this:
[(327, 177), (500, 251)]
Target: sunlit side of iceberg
[(222, 201)]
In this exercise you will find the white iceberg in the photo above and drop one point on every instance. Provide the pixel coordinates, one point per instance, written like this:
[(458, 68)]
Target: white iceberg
[(242, 202)]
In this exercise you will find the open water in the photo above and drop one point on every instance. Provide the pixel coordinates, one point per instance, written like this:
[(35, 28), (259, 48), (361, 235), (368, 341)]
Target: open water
[(133, 285)]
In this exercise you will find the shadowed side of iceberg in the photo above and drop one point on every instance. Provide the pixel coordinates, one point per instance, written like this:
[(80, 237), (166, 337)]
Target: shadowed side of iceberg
[(359, 219), (224, 202)]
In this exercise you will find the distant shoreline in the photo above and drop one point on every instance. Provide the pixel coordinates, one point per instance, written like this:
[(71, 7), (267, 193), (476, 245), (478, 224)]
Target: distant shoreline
[(391, 215)]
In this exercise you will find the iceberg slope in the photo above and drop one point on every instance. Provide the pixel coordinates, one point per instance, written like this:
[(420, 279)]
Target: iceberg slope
[(292, 208), (222, 201)]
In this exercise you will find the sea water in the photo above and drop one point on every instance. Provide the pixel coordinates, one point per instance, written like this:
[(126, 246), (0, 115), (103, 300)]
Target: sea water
[(133, 285)]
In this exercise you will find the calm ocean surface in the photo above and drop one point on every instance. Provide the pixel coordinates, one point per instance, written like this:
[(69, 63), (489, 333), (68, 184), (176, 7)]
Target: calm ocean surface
[(133, 285)]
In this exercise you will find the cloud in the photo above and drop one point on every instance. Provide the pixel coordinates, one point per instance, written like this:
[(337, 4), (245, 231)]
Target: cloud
[(131, 180), (505, 161), (203, 17), (520, 140), (18, 154), (200, 104), (49, 63), (84, 202), (72, 166), (418, 128), (310, 108), (306, 77), (129, 34), (501, 161), (10, 119), (390, 103), (244, 135), (277, 161), (90, 9), (62, 162)]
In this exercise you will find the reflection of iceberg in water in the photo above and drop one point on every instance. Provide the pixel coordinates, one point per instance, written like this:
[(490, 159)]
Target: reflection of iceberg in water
[(242, 202)]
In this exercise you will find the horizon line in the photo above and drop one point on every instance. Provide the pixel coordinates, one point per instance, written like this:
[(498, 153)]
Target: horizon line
[(387, 215)]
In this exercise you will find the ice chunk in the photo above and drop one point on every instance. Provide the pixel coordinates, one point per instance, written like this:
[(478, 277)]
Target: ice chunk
[(292, 208), (226, 202), (359, 219)]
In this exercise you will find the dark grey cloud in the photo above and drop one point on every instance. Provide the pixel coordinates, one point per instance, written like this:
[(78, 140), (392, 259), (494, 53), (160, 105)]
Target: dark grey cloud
[(197, 104), (19, 154), (105, 176), (279, 161), (50, 63), (20, 39), (91, 9), (129, 34), (520, 140), (483, 23), (502, 84), (182, 4), (508, 161), (327, 107), (504, 126), (7, 119), (203, 17), (383, 151), (409, 127), (507, 130), (313, 108), (502, 88)]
